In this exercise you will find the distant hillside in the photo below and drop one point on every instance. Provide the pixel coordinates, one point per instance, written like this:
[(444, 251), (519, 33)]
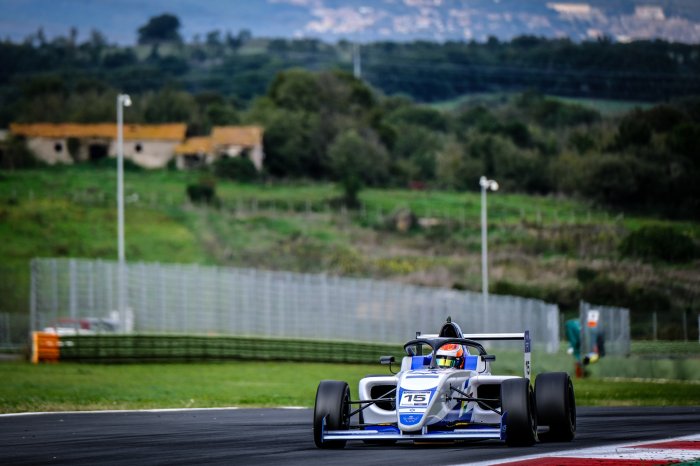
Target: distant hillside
[(365, 21), (242, 67)]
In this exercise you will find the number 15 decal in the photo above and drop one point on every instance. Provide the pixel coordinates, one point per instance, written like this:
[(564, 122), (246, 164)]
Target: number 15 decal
[(415, 398)]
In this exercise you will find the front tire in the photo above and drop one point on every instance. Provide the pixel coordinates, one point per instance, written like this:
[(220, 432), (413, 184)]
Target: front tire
[(517, 403), (333, 405), (556, 406)]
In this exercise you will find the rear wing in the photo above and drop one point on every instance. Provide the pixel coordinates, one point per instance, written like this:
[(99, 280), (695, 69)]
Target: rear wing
[(525, 337)]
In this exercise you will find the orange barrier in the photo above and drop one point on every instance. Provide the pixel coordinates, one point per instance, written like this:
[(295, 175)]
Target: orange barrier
[(45, 347)]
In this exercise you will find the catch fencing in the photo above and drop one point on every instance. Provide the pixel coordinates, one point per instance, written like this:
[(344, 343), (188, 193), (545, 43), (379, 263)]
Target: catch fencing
[(13, 330), (613, 325), (198, 300)]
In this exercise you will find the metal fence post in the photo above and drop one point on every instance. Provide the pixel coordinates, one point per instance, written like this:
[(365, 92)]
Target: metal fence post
[(54, 288), (91, 286), (33, 272), (72, 305), (6, 318), (161, 294)]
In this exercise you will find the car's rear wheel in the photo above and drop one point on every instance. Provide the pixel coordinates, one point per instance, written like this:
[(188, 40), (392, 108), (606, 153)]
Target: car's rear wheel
[(556, 406), (332, 407), (517, 404)]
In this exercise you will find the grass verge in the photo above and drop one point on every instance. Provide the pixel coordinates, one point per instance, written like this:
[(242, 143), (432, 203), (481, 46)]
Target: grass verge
[(65, 386)]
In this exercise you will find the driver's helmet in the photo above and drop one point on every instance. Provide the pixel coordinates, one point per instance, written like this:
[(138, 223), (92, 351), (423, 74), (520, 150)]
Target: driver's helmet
[(450, 355)]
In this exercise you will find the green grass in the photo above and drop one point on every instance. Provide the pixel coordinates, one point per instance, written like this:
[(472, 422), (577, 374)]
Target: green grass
[(65, 386), (165, 190), (669, 348), (536, 242)]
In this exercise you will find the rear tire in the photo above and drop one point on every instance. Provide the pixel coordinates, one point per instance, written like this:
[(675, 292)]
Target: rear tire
[(333, 405), (556, 406), (517, 400)]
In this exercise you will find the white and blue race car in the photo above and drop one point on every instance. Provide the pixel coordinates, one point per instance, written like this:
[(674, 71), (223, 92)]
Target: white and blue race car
[(427, 400)]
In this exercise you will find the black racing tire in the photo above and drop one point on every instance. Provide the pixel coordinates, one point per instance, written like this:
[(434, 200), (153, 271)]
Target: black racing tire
[(517, 404), (556, 406), (333, 404)]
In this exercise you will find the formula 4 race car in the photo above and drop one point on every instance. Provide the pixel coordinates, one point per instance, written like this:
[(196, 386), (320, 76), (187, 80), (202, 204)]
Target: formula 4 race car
[(445, 392)]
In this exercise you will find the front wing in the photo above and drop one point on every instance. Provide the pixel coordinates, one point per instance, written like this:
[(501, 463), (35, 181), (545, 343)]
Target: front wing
[(390, 432)]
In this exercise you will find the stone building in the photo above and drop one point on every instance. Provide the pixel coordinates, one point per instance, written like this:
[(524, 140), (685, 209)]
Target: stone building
[(224, 141), (150, 146)]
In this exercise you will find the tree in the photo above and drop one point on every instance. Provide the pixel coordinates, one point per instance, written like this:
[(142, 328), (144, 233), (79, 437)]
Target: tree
[(357, 160), (611, 180), (456, 169), (634, 130), (287, 140), (420, 116), (659, 243), (296, 90), (236, 168), (163, 28), (414, 153), (168, 105)]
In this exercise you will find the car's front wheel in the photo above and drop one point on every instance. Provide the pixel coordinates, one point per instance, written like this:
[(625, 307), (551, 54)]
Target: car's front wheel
[(332, 408)]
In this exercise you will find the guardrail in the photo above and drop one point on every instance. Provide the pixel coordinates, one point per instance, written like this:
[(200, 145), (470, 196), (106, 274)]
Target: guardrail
[(183, 348)]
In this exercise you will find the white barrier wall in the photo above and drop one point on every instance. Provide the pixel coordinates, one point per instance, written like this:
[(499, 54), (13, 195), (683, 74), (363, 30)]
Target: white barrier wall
[(194, 299)]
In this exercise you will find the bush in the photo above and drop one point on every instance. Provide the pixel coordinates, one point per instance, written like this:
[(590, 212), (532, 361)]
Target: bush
[(504, 287), (604, 290), (236, 168), (683, 140), (659, 243), (611, 180), (634, 130), (15, 155), (586, 275), (203, 192)]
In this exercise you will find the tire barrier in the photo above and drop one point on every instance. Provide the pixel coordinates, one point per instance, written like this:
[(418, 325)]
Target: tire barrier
[(182, 348), (45, 347)]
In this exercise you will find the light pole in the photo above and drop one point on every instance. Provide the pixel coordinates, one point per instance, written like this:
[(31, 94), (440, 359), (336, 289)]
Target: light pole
[(485, 184), (123, 100)]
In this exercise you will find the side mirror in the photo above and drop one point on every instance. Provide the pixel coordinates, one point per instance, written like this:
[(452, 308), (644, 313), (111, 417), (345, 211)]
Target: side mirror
[(386, 360), (489, 357)]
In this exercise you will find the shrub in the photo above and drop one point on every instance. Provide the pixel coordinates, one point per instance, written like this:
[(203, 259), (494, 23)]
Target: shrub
[(611, 180), (504, 287), (16, 155), (204, 192), (586, 275), (604, 290), (683, 139), (236, 168), (659, 243), (634, 130)]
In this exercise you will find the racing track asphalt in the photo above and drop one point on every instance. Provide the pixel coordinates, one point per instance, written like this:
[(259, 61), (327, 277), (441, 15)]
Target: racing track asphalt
[(283, 436)]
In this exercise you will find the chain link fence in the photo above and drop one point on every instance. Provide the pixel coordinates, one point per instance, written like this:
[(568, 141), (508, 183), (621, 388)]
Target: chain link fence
[(14, 330), (613, 325), (191, 299)]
